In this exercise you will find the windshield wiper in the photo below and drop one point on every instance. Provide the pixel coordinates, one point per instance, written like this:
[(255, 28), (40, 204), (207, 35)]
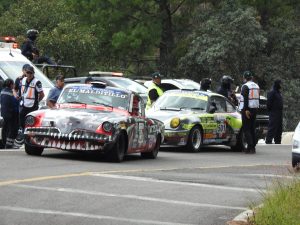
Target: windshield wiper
[(197, 108), (76, 102), (100, 103), (170, 108)]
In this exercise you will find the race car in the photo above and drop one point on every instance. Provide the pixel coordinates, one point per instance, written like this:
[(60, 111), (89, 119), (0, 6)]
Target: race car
[(196, 118), (95, 117)]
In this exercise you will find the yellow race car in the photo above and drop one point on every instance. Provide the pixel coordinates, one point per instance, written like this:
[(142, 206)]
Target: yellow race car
[(196, 118)]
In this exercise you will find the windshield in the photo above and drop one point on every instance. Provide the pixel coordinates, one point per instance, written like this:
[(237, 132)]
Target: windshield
[(128, 84), (182, 101), (13, 69), (95, 96)]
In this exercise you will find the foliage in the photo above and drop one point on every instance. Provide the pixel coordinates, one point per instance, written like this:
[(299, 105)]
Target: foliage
[(181, 38), (227, 41), (61, 36), (281, 206)]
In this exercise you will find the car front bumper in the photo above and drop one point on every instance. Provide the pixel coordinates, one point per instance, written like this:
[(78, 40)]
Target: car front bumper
[(179, 137)]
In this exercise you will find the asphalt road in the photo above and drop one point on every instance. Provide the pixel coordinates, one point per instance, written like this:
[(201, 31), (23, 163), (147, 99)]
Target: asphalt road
[(207, 188)]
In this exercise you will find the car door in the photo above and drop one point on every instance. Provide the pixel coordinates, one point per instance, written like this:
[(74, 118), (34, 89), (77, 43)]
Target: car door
[(140, 131), (220, 118)]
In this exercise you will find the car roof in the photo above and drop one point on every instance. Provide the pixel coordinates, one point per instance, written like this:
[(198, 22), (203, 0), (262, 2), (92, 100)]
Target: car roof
[(206, 93), (178, 82)]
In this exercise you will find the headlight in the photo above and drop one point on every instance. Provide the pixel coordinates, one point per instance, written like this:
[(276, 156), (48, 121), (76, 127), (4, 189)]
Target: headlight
[(296, 144), (107, 126), (30, 121), (174, 122)]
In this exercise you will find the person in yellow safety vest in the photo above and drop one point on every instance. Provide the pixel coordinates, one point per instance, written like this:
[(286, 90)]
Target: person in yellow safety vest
[(249, 103), (154, 90)]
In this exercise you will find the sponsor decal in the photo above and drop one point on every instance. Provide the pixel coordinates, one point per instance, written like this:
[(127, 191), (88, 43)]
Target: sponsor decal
[(190, 95), (105, 92)]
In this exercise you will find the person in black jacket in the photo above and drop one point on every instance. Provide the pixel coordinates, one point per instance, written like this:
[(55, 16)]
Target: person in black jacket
[(10, 113), (275, 108), (225, 89), (28, 46)]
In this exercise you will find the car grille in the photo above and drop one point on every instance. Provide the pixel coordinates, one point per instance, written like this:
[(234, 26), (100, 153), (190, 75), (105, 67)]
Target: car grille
[(74, 135)]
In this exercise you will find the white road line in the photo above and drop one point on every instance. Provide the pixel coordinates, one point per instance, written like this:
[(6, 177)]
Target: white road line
[(271, 176), (85, 215), (136, 197), (178, 182)]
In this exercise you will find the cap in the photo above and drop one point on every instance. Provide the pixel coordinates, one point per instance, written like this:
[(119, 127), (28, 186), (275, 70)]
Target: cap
[(29, 69), (59, 77), (156, 75), (24, 66), (247, 74)]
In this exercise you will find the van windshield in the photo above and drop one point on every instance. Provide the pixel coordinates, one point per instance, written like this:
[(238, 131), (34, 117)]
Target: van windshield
[(13, 69)]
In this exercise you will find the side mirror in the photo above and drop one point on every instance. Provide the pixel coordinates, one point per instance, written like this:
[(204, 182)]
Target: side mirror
[(212, 108)]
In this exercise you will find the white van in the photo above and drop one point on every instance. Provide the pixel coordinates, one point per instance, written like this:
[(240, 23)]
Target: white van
[(11, 63)]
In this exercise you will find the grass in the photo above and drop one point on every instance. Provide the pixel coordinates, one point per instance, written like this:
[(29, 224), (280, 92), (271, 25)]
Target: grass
[(281, 206)]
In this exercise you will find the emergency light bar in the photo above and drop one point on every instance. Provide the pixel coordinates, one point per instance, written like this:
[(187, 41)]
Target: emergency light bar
[(101, 73), (8, 42)]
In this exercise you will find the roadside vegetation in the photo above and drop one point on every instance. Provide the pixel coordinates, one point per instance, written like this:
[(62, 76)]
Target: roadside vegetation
[(281, 206)]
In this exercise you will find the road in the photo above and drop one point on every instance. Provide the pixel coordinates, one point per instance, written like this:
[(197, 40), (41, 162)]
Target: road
[(206, 188)]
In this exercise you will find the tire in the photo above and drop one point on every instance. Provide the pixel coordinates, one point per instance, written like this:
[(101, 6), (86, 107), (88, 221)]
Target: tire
[(2, 145), (194, 143), (118, 151), (241, 144), (295, 162), (154, 152), (33, 150)]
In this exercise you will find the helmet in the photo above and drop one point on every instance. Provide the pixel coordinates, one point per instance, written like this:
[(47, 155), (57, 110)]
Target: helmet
[(32, 34), (226, 79), (205, 84), (247, 74)]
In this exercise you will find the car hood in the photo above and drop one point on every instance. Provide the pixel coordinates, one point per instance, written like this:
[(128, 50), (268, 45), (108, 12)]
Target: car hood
[(67, 120), (167, 115)]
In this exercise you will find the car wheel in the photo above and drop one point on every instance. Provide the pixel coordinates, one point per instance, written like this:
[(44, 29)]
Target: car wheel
[(154, 152), (195, 139), (2, 145), (33, 150), (117, 153), (241, 143), (295, 162)]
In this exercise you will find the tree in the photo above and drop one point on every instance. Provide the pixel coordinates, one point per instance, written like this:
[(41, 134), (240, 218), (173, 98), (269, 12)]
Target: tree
[(226, 41), (61, 35)]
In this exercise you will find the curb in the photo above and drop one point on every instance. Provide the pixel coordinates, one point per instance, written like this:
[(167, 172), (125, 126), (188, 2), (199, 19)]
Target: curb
[(242, 218)]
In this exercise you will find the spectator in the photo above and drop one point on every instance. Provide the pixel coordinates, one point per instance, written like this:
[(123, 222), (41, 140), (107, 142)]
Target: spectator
[(31, 94), (55, 92), (154, 90), (275, 108), (205, 84), (9, 112), (225, 89), (249, 102), (18, 82)]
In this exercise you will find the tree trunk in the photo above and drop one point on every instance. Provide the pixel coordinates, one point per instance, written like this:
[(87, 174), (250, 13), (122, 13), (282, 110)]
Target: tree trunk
[(166, 46)]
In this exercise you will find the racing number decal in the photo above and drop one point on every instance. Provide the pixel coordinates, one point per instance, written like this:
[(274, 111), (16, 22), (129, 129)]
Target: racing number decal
[(221, 127)]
